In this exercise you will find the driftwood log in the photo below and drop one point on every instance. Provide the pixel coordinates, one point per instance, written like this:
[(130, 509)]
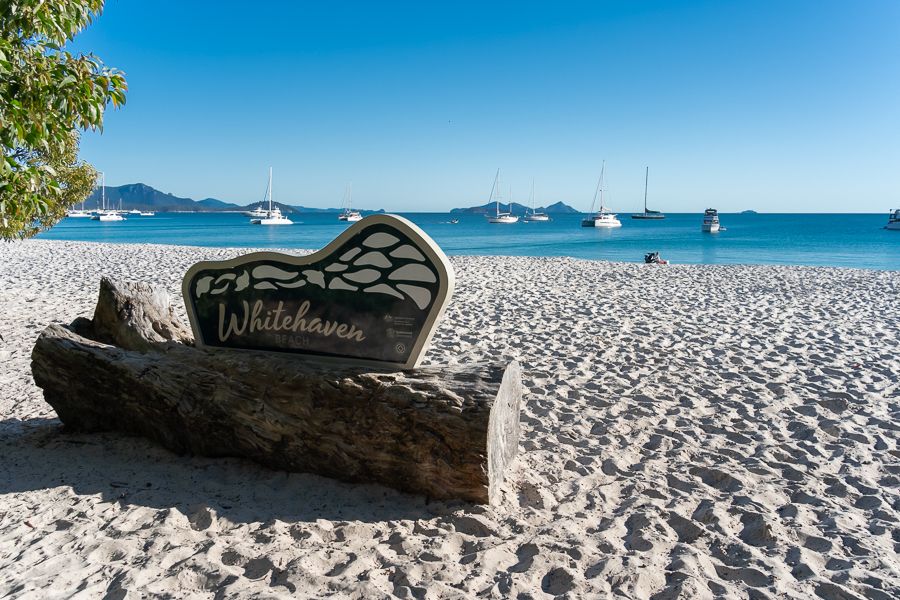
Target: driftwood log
[(445, 432)]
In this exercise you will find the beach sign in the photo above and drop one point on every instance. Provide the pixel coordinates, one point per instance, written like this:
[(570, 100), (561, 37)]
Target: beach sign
[(372, 296)]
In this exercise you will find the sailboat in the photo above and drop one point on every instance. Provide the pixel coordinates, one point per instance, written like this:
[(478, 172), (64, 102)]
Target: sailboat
[(648, 214), (500, 217), (79, 213), (273, 215), (106, 214), (603, 217), (534, 215), (348, 213)]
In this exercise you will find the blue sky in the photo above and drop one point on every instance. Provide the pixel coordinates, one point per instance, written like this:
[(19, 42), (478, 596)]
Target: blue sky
[(775, 106)]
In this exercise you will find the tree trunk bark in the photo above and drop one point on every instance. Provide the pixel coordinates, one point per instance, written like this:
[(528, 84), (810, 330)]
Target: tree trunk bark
[(446, 432)]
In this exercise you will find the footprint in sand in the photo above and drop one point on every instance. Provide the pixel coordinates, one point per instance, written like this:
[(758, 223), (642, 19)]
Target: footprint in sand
[(525, 554), (557, 581)]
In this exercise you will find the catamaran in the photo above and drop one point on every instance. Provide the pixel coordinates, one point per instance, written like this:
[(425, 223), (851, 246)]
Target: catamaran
[(500, 217), (273, 215), (534, 216), (711, 220), (348, 214), (603, 217), (648, 214), (893, 220)]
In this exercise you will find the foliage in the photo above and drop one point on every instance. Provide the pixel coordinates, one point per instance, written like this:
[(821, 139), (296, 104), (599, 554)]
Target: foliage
[(47, 95)]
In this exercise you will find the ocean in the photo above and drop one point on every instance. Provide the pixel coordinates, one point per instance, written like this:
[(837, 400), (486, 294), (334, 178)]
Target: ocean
[(838, 240)]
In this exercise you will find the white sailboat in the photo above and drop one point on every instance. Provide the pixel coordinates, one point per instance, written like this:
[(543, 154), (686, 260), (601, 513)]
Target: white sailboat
[(499, 217), (348, 214), (79, 213), (106, 215), (273, 216), (603, 217), (535, 216)]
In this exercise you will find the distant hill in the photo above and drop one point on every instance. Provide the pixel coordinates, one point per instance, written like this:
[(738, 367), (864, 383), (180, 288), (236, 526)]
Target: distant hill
[(214, 204), (749, 212), (515, 208), (143, 197)]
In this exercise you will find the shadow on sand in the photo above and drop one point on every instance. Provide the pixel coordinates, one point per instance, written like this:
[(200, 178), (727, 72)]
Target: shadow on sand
[(39, 454)]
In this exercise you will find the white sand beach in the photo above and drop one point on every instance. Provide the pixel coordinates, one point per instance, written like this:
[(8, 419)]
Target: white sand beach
[(688, 432)]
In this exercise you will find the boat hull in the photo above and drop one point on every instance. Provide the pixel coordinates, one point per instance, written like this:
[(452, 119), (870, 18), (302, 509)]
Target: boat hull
[(895, 226), (503, 220), (649, 217), (536, 218), (598, 224), (274, 221), (710, 227)]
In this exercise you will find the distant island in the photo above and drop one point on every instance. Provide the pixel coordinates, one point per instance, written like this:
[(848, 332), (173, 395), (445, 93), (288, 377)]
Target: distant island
[(515, 208), (141, 196), (749, 212)]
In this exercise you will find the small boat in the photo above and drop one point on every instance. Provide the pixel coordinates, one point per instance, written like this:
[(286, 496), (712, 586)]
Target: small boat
[(110, 215), (535, 216), (134, 211), (79, 213), (148, 213), (454, 221), (257, 213), (273, 215), (893, 220), (711, 220), (499, 217), (603, 217), (348, 214), (648, 214), (105, 214)]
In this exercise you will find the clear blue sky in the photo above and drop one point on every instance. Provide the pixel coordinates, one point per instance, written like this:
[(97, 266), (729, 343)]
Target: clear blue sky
[(771, 105)]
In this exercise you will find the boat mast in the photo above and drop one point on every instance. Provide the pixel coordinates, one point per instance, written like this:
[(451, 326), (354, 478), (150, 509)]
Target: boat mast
[(646, 177), (496, 187), (602, 170), (532, 195), (103, 191), (270, 189)]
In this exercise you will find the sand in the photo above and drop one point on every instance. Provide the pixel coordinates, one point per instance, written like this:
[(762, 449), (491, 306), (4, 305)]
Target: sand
[(688, 432)]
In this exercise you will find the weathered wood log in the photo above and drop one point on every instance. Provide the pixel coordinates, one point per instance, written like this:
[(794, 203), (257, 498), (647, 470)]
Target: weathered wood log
[(136, 316), (446, 432)]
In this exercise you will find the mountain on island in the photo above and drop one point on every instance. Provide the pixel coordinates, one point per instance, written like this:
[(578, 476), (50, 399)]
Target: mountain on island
[(141, 196), (515, 208)]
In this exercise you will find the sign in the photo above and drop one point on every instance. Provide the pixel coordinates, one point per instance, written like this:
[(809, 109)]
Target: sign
[(372, 296)]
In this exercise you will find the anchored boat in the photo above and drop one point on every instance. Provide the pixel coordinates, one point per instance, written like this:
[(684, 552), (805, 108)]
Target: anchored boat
[(648, 214), (603, 217)]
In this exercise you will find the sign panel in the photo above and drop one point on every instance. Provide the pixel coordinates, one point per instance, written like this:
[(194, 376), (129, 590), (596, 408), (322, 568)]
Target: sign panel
[(372, 296)]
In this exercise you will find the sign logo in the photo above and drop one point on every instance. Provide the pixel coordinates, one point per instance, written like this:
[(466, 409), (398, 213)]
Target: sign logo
[(372, 296)]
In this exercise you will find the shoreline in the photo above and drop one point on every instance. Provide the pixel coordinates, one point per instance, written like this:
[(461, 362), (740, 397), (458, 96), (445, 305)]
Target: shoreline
[(708, 430), (304, 251)]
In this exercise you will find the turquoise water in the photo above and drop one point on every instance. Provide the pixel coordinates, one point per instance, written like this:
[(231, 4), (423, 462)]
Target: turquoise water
[(852, 240)]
